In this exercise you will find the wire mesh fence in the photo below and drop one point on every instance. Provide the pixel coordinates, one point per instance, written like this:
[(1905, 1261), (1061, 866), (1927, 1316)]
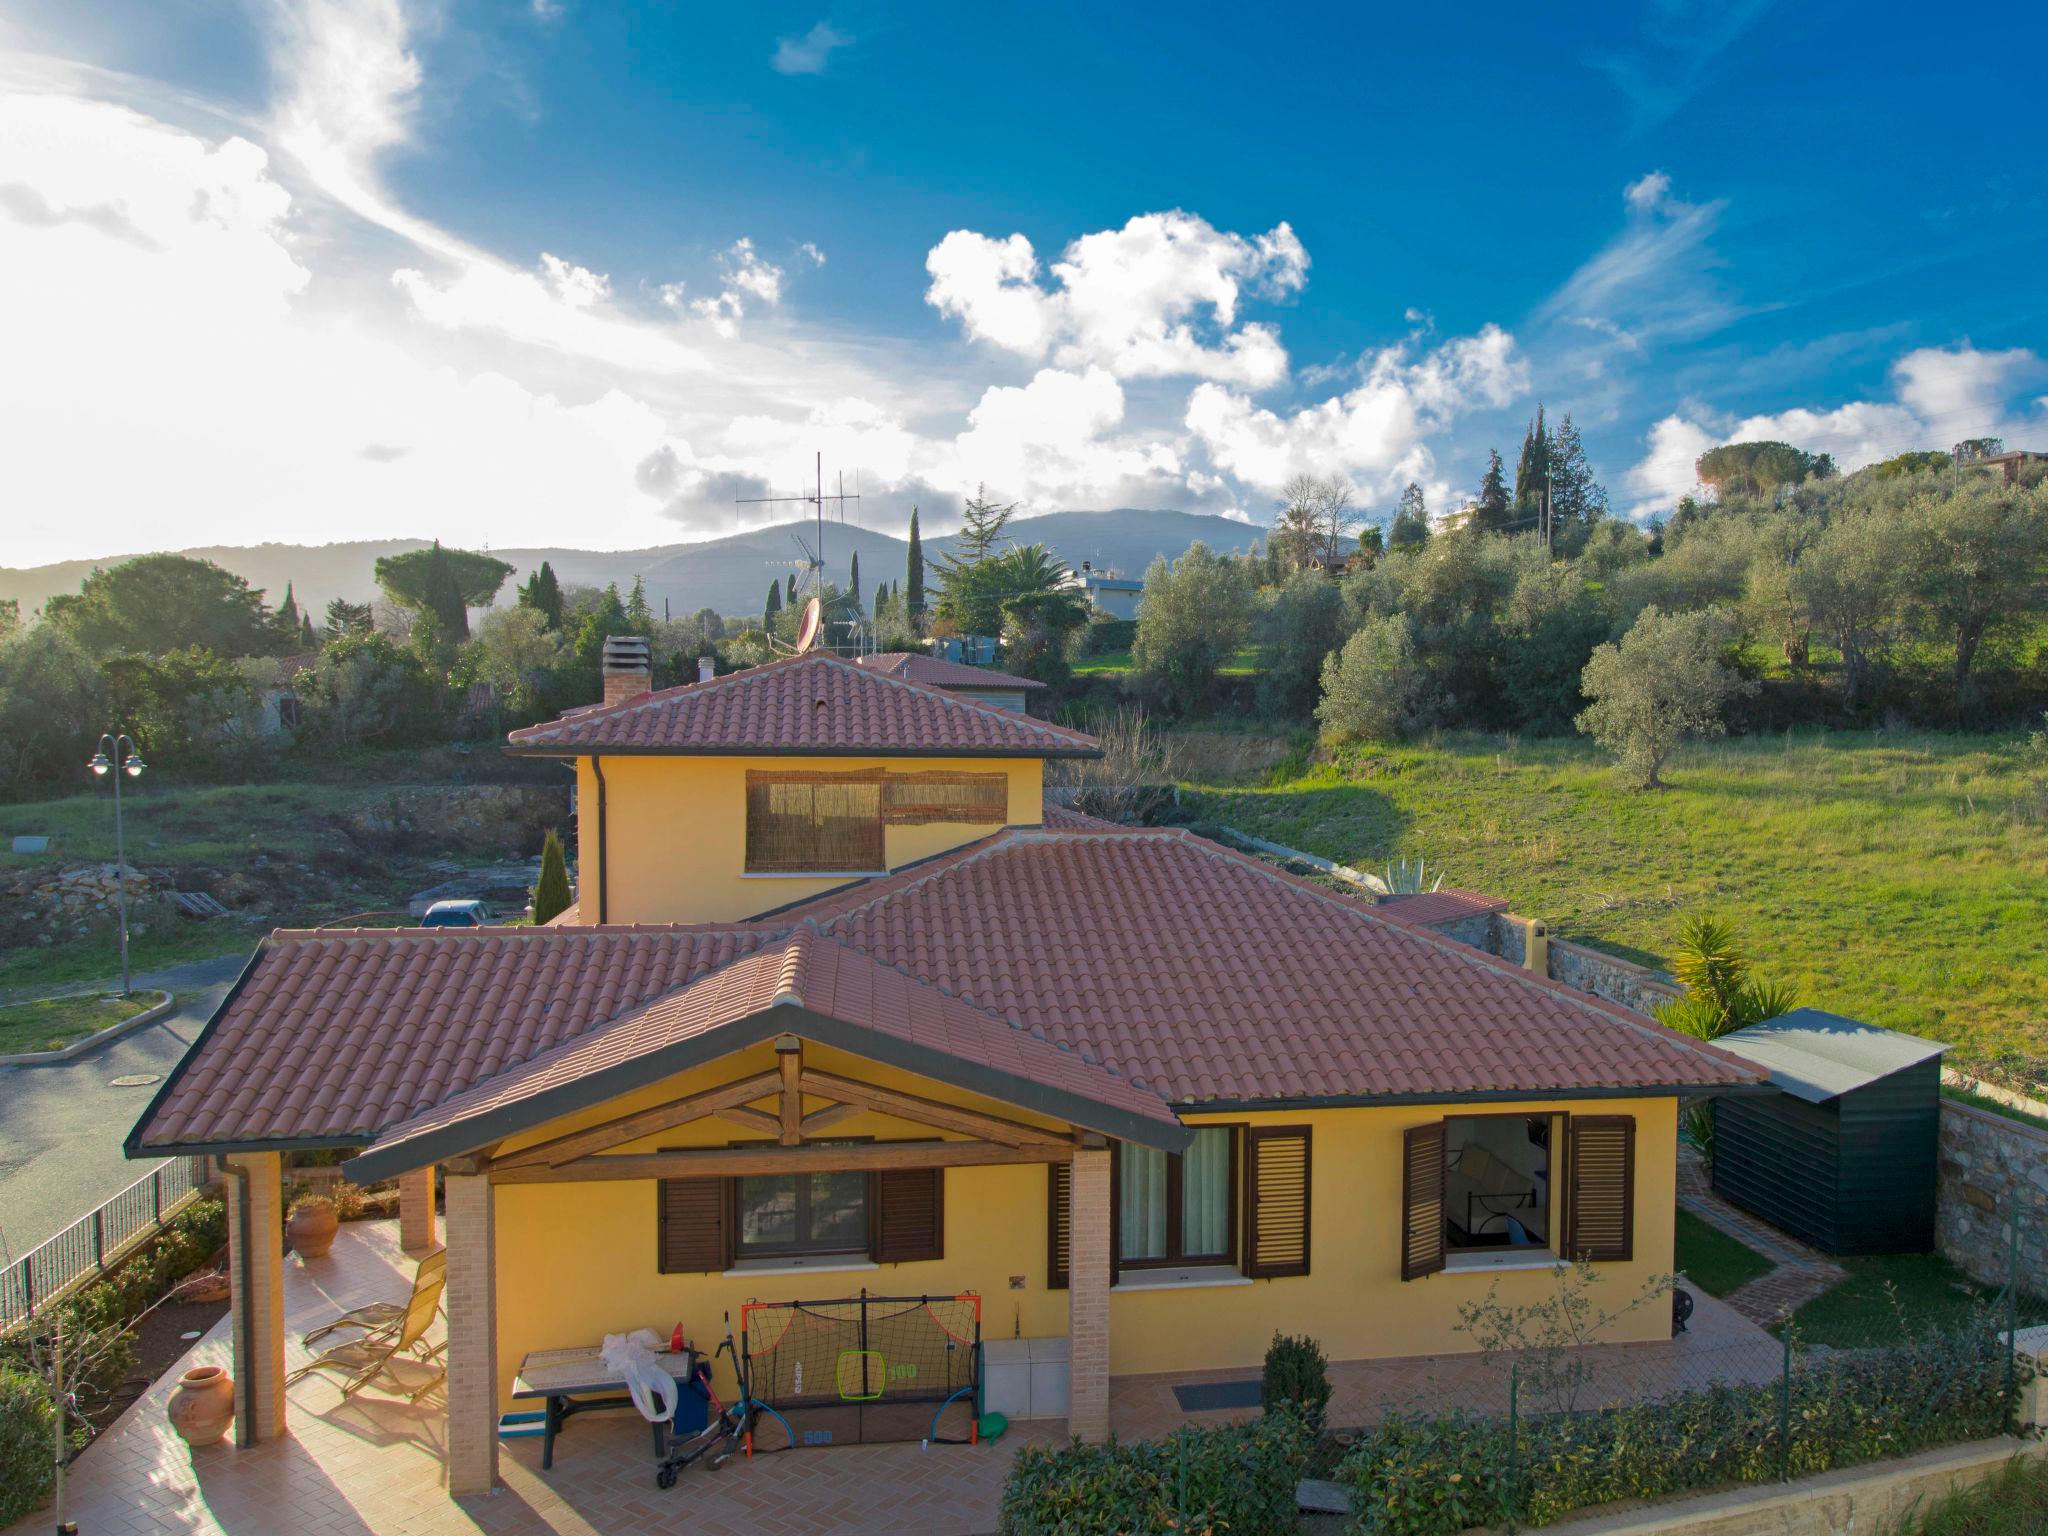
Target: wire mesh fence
[(1523, 1436), (96, 1241)]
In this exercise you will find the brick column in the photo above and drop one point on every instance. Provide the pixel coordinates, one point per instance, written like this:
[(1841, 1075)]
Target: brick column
[(1088, 1272), (472, 1334), (416, 1210), (256, 1308)]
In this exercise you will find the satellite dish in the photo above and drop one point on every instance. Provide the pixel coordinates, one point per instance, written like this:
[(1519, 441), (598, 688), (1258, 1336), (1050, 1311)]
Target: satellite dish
[(807, 631)]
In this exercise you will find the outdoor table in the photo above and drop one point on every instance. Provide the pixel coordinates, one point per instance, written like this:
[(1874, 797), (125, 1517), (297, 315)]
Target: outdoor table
[(566, 1378)]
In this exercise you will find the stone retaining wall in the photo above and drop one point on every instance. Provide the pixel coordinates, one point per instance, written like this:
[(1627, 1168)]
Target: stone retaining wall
[(1992, 1166)]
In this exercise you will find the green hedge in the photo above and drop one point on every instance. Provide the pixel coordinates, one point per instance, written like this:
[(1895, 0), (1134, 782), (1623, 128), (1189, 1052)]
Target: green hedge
[(1416, 1476), (27, 1421), (1237, 1478)]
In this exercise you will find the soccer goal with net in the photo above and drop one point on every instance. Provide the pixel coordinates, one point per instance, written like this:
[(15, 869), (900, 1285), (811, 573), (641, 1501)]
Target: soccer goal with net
[(863, 1369)]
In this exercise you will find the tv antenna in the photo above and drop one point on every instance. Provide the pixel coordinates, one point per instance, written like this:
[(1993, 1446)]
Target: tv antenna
[(814, 554)]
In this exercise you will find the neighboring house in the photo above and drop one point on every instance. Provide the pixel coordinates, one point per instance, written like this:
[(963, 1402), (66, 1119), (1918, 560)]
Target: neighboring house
[(849, 1007), (984, 685), (2010, 464), (1112, 596), (965, 650)]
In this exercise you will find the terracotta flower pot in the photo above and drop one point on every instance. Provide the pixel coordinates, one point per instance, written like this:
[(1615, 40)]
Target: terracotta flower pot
[(312, 1228), (203, 1405)]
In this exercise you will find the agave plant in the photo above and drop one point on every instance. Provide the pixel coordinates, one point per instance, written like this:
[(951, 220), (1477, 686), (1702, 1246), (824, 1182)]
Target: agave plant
[(1406, 879)]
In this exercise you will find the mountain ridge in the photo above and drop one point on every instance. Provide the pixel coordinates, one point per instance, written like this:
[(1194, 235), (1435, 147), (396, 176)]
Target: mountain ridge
[(729, 573)]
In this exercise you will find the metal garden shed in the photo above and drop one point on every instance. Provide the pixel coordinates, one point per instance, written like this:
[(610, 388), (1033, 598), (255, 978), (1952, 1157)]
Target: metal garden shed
[(1844, 1156)]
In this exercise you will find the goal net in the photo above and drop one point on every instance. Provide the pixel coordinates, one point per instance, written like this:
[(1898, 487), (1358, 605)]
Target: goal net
[(863, 1368)]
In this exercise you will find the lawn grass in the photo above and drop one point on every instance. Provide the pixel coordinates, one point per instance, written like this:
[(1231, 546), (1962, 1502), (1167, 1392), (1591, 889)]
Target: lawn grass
[(2013, 1503), (1714, 1261), (1922, 1289), (57, 1022), (1993, 1106), (1244, 661), (1896, 878)]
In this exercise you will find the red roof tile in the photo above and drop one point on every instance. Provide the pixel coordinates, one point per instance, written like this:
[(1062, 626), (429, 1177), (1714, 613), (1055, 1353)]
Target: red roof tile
[(812, 704), (819, 976), (937, 672), (1426, 909)]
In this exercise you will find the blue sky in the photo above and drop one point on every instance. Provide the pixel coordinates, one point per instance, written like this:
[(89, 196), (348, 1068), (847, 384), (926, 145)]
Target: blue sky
[(556, 271)]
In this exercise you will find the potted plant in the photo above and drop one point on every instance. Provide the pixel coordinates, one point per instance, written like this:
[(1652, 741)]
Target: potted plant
[(312, 1225)]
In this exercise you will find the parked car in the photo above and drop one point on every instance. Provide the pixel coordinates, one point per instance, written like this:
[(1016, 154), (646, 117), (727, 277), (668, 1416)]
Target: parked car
[(456, 914)]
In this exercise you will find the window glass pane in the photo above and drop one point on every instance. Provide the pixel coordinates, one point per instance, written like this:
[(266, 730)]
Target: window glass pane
[(839, 1210), (1141, 1203), (768, 1212), (1205, 1194)]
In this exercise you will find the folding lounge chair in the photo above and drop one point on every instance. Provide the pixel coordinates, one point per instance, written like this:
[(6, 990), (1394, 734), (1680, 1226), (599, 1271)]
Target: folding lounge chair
[(381, 1314), (394, 1357)]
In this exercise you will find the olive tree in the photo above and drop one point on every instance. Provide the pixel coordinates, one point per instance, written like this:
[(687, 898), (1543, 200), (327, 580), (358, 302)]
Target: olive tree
[(1193, 616), (1664, 683), (1374, 688)]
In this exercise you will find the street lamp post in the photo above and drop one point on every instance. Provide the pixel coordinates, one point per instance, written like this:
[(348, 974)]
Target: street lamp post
[(124, 763)]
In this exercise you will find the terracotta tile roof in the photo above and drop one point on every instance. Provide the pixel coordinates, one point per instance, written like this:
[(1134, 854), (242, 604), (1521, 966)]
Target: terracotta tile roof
[(812, 704), (1426, 909), (339, 1033), (1164, 964), (818, 976), (1207, 975), (1062, 818), (937, 672)]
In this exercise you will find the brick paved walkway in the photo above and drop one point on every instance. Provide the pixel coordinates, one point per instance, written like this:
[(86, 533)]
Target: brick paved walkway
[(1802, 1273)]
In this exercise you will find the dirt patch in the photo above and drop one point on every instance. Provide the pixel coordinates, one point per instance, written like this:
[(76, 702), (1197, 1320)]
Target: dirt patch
[(1226, 757)]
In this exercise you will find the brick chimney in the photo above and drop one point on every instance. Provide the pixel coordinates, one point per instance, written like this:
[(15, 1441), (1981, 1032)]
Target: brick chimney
[(628, 668)]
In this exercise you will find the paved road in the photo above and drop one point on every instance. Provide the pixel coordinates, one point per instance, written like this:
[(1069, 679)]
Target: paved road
[(61, 1126)]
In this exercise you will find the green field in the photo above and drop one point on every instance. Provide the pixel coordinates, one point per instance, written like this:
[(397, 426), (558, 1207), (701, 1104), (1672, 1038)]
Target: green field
[(55, 1023), (1894, 877), (1714, 1261)]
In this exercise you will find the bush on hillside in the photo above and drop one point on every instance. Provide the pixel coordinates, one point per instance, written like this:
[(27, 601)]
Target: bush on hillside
[(1373, 689)]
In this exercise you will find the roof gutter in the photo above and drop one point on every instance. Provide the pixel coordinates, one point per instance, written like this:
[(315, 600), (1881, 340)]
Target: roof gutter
[(1475, 1096), (576, 749)]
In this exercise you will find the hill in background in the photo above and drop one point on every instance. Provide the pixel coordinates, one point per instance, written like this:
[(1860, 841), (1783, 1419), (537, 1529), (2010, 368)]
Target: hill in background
[(730, 574)]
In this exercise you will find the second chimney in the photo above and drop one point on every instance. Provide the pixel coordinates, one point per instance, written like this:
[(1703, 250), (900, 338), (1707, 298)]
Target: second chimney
[(707, 668), (628, 668)]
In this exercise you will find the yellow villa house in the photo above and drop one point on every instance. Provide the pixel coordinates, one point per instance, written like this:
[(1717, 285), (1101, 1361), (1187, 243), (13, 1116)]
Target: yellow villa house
[(844, 1006)]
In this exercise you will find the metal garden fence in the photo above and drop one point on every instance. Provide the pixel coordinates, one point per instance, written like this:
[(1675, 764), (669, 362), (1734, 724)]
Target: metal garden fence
[(97, 1241)]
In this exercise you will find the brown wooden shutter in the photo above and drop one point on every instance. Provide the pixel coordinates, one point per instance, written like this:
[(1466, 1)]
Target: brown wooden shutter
[(1276, 1198), (695, 1235), (907, 1215), (1059, 1204), (1422, 1200), (1601, 1225)]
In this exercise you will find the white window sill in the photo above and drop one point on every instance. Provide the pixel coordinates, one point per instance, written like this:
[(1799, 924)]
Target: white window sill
[(1195, 1277), (811, 874), (1500, 1260), (824, 1264)]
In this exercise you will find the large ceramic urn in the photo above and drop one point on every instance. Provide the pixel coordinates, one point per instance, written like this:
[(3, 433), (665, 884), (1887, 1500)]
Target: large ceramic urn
[(203, 1405), (312, 1227)]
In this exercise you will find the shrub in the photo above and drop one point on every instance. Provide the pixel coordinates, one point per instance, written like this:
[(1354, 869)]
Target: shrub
[(1105, 634), (1664, 683), (1296, 1378), (27, 1421), (1373, 689), (551, 895), (1238, 1478), (1414, 1476)]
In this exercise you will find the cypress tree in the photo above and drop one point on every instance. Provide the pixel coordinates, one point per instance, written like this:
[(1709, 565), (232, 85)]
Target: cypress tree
[(543, 593), (774, 605), (551, 892), (853, 581), (914, 577), (789, 597), (1491, 512), (1532, 470), (881, 597)]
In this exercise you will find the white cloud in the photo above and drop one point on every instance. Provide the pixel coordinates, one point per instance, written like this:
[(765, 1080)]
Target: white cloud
[(809, 54), (1374, 433), (1157, 298), (817, 256), (747, 277), (1944, 394), (1648, 192), (563, 308), (1656, 280)]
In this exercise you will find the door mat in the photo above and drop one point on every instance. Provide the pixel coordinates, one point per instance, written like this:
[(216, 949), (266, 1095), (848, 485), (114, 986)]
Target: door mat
[(1197, 1396)]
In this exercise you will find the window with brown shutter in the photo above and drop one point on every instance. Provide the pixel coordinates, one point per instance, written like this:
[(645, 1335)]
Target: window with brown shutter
[(1422, 1200), (907, 1215), (1601, 1155), (694, 1234), (1276, 1200), (913, 799), (814, 823), (1059, 1206)]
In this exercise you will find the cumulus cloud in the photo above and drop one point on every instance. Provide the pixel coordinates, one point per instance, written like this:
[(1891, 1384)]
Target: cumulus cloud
[(1943, 394), (1375, 432), (809, 54), (1157, 298), (748, 279)]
